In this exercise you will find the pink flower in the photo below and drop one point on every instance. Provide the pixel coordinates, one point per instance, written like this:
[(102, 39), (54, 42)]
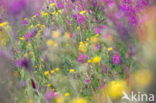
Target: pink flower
[(60, 5), (86, 81), (79, 18), (117, 59), (82, 58), (50, 95), (97, 30)]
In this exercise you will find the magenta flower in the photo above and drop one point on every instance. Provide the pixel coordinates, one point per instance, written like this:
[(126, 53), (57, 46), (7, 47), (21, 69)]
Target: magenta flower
[(30, 34), (60, 5), (96, 47), (97, 30), (79, 18), (50, 95), (38, 14), (25, 63), (117, 59), (82, 58), (25, 22), (86, 81)]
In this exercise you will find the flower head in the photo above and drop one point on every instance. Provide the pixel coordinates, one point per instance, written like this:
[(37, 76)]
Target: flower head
[(86, 81), (50, 95), (79, 100), (117, 59), (116, 88), (31, 34), (60, 5), (97, 30), (82, 58), (25, 63), (96, 59), (79, 18)]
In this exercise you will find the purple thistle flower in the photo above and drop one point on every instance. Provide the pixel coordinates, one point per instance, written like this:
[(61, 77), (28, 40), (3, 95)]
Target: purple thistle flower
[(117, 59), (82, 58), (79, 18), (30, 34), (25, 63), (60, 5)]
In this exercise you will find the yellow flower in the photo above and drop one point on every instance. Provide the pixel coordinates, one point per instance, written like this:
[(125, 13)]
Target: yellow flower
[(79, 100), (82, 12), (51, 43), (52, 4), (110, 49), (36, 66), (49, 85), (72, 70), (52, 71), (67, 35), (57, 69), (96, 59), (78, 27), (89, 61), (46, 73), (143, 77), (116, 88), (55, 34), (67, 94), (83, 46), (3, 24), (22, 38), (94, 39), (97, 35), (31, 26), (59, 11), (44, 13), (60, 99), (29, 101), (4, 37), (53, 13)]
